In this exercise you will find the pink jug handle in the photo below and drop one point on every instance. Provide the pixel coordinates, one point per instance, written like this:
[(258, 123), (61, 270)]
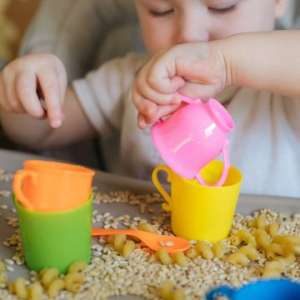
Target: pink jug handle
[(225, 170)]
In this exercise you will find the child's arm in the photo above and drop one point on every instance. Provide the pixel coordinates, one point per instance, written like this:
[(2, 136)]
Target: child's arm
[(37, 134), (263, 61), (22, 115), (95, 107)]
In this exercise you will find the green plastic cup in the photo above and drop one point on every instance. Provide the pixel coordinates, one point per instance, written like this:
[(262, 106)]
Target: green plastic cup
[(56, 239)]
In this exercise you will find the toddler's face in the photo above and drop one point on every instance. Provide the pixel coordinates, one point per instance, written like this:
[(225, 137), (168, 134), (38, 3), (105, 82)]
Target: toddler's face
[(166, 23)]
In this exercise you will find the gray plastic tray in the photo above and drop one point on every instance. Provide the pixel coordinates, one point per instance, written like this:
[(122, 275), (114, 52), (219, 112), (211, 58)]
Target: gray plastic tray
[(11, 161)]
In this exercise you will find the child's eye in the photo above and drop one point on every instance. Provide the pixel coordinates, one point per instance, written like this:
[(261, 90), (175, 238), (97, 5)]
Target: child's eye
[(223, 10), (161, 13)]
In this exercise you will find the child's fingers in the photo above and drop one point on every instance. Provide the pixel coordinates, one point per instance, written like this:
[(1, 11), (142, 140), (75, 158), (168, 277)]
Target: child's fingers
[(166, 84), (50, 88), (165, 110), (142, 121), (145, 89), (144, 106), (62, 80), (162, 112), (2, 94), (3, 99), (26, 93), (196, 90), (148, 109), (164, 79), (143, 86), (11, 100)]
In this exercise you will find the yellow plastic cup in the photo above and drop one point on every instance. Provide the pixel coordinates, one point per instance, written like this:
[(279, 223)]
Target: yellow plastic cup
[(200, 212)]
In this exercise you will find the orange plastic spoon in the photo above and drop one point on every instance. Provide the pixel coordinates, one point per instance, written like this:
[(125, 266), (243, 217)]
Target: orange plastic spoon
[(154, 241)]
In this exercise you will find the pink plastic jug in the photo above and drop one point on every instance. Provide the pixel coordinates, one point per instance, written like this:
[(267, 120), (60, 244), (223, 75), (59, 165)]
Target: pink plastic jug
[(194, 135)]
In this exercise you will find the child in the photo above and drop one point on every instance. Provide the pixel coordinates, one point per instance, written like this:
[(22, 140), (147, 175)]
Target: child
[(266, 141), (98, 104)]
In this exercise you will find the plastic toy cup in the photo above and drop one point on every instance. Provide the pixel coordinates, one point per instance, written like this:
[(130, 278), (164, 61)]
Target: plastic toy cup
[(272, 289), (51, 186), (55, 239), (200, 212), (194, 135)]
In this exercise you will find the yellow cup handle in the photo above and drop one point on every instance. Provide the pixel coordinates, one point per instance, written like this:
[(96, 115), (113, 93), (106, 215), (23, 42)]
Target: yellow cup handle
[(18, 186), (166, 206)]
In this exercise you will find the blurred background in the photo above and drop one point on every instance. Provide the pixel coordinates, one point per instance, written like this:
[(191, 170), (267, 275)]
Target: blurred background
[(15, 16)]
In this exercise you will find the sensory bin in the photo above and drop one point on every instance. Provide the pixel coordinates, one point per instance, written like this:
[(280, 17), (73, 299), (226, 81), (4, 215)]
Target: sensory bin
[(143, 273)]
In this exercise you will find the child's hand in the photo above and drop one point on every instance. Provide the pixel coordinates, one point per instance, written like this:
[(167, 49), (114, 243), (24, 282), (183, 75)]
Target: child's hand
[(27, 80), (197, 70)]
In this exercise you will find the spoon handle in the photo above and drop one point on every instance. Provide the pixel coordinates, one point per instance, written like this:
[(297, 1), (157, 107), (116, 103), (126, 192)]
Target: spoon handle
[(102, 231)]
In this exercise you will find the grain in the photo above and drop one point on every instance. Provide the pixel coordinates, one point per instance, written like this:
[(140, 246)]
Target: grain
[(111, 274)]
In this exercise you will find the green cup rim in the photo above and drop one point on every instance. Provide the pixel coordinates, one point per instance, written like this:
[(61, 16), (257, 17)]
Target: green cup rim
[(19, 206)]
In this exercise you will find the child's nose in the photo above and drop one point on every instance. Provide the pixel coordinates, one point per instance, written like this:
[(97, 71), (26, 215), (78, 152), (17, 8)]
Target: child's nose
[(192, 37), (193, 28)]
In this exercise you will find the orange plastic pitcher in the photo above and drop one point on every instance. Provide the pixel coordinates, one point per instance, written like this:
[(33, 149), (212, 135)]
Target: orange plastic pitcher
[(52, 186)]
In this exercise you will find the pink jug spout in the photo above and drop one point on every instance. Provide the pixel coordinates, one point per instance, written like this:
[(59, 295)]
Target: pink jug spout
[(220, 114)]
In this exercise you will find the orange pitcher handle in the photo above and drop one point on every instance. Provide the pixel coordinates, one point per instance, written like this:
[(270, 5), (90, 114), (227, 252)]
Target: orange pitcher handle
[(18, 186), (166, 206)]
